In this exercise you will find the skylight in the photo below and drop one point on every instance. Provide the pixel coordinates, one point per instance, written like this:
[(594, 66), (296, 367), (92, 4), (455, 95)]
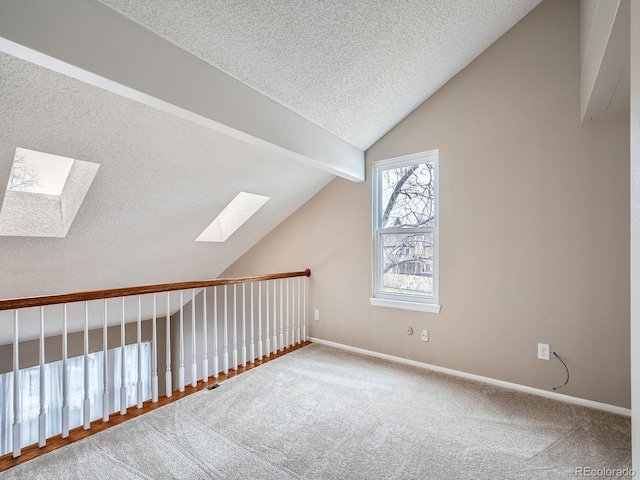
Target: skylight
[(44, 194), (38, 172), (239, 210)]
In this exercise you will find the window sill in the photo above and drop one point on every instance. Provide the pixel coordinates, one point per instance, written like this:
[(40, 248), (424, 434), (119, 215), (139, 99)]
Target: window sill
[(420, 307)]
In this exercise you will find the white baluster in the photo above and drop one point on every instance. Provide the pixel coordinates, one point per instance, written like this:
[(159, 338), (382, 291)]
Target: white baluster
[(286, 334), (154, 353), (225, 356), (17, 442), (293, 311), (139, 339), (299, 309), (181, 345), (65, 376), (281, 315), (235, 327), (260, 320), (42, 418), (304, 309), (216, 368), (275, 319), (205, 350), (244, 325), (123, 385), (267, 343), (86, 406), (252, 353), (168, 376), (105, 367), (194, 358)]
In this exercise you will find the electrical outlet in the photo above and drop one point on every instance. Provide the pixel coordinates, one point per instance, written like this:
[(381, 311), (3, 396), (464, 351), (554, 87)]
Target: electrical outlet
[(543, 351), (425, 335), (316, 315)]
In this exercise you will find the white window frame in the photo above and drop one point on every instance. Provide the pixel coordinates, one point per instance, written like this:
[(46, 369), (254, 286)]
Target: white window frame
[(404, 301)]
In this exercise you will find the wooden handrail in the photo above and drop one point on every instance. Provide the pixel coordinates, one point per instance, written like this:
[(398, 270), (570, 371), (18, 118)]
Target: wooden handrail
[(129, 291)]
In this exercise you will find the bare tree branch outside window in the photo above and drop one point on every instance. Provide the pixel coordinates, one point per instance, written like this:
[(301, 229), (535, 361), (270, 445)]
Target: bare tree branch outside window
[(408, 196), (23, 175)]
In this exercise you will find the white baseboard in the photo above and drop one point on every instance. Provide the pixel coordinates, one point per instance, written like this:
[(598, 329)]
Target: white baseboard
[(514, 386)]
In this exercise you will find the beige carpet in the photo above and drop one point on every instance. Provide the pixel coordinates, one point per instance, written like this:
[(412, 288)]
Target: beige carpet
[(321, 413)]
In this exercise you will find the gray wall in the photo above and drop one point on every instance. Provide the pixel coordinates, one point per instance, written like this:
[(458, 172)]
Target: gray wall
[(534, 226)]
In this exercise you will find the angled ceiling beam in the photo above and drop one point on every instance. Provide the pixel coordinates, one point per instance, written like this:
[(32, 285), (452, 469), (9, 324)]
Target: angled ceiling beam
[(88, 41), (605, 34)]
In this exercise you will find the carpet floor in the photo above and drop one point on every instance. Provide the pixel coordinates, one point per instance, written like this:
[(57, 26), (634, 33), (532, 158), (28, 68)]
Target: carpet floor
[(323, 413)]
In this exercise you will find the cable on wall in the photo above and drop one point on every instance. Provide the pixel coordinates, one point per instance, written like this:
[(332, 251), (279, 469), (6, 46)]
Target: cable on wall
[(566, 368)]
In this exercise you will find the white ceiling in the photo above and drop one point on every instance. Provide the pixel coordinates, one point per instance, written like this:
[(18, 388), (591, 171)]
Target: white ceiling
[(354, 68)]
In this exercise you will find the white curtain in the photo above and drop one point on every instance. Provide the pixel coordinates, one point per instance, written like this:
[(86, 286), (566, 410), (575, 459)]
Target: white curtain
[(131, 374), (30, 392), (6, 412)]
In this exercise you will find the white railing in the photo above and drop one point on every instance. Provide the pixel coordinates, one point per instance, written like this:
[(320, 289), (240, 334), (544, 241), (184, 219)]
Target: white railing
[(274, 306)]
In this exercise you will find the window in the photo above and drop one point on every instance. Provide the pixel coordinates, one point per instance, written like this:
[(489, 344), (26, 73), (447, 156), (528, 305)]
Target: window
[(44, 194), (405, 223), (30, 392), (234, 215)]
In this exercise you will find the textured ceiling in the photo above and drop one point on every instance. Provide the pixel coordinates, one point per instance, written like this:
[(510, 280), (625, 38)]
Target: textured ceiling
[(161, 181), (355, 68)]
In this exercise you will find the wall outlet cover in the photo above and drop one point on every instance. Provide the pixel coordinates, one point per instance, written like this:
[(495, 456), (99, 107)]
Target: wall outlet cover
[(543, 351)]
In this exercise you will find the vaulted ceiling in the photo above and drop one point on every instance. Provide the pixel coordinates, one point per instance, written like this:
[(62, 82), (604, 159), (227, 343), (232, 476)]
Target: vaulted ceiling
[(356, 68), (185, 104)]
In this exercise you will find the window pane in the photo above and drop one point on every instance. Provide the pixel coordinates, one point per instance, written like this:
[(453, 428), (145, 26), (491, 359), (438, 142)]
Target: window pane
[(408, 196), (407, 266)]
